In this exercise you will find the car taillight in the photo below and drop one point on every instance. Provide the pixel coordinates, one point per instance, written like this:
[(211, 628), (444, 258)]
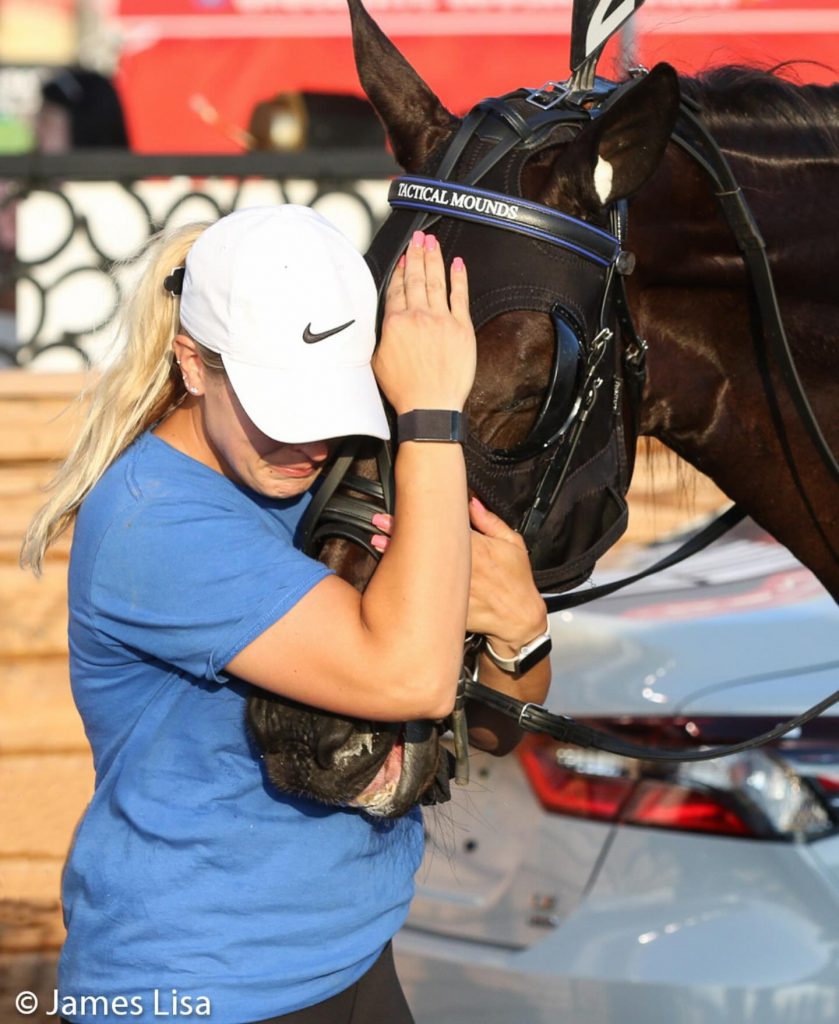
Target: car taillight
[(666, 805), (760, 793)]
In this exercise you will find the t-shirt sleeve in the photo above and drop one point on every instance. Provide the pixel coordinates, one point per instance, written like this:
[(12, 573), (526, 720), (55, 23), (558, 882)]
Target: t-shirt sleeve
[(194, 589)]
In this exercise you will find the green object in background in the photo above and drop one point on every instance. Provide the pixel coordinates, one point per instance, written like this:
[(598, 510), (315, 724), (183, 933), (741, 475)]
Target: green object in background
[(15, 135)]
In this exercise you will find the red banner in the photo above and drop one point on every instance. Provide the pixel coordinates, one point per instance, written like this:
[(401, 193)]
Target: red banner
[(192, 70), (259, 19)]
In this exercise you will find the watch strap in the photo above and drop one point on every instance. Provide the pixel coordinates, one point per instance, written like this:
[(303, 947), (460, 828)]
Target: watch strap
[(432, 425), (528, 656)]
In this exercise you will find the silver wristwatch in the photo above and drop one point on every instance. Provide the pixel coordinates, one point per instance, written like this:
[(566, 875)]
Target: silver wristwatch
[(528, 656)]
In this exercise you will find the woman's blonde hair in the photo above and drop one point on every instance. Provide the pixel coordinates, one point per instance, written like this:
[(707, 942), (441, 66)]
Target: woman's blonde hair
[(138, 389)]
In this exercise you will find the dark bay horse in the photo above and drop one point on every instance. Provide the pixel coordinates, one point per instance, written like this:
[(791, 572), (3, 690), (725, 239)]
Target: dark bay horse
[(711, 391), (704, 394)]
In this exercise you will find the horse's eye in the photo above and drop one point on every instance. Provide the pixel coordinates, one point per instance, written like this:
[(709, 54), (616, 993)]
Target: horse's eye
[(510, 423), (521, 403)]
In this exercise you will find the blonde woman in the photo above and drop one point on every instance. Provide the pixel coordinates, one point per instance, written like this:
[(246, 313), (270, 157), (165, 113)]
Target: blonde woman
[(190, 886)]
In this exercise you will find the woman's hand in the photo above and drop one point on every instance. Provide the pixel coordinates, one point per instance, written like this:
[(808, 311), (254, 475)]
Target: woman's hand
[(504, 602), (426, 356), (506, 607)]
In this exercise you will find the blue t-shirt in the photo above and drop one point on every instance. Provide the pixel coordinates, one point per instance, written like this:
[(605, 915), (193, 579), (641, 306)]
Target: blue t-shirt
[(189, 873)]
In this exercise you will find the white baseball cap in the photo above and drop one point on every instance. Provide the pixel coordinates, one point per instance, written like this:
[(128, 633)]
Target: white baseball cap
[(290, 305)]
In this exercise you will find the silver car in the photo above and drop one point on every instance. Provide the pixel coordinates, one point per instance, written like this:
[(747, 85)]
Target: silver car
[(568, 885)]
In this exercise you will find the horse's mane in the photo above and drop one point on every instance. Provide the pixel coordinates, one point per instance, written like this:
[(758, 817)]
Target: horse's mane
[(735, 96)]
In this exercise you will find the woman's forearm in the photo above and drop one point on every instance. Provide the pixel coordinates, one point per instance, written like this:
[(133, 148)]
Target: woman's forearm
[(415, 605)]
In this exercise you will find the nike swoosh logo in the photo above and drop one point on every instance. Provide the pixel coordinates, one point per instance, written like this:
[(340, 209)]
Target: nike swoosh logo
[(311, 338)]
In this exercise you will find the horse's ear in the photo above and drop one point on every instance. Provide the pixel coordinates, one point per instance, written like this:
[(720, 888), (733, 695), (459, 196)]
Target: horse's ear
[(415, 120), (626, 142)]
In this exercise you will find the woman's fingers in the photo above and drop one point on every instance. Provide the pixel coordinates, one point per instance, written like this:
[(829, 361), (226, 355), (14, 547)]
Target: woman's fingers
[(395, 301), (425, 278), (426, 356), (435, 276), (382, 521), (503, 599), (415, 290), (459, 293), (491, 525), (419, 280)]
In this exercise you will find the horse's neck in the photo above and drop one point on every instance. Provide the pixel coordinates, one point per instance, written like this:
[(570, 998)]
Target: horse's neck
[(793, 197), (705, 395)]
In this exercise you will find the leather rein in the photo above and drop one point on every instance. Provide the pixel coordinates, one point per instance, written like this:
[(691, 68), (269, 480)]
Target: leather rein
[(334, 512)]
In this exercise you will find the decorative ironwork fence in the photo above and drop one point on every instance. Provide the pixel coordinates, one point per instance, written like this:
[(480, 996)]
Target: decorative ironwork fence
[(71, 227)]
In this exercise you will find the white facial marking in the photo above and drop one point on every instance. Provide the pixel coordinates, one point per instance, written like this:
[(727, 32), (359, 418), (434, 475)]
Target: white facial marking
[(603, 179)]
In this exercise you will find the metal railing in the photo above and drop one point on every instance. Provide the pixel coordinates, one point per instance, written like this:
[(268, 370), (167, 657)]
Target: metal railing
[(71, 227)]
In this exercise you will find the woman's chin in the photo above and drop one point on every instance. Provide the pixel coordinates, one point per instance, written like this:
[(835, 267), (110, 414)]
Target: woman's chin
[(274, 482)]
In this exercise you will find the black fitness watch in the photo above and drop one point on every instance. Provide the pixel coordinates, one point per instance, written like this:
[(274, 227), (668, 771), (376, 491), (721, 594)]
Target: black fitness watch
[(432, 425)]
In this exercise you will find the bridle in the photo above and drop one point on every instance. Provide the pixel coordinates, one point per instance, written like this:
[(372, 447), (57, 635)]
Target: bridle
[(571, 462), (587, 352), (573, 384)]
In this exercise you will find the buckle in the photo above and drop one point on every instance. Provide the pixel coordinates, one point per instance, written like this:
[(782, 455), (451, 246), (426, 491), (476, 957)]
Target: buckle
[(534, 727), (551, 94)]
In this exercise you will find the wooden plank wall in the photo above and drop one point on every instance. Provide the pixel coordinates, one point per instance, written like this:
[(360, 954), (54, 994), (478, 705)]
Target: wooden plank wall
[(45, 770)]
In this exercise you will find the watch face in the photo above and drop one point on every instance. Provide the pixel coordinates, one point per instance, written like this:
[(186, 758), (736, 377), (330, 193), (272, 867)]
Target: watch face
[(541, 649)]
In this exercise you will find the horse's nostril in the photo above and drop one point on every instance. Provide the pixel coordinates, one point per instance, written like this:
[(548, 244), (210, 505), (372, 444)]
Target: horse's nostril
[(328, 744)]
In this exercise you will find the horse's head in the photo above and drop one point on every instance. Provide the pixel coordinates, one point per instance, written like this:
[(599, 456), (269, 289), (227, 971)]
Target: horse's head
[(543, 288), (380, 768), (547, 364)]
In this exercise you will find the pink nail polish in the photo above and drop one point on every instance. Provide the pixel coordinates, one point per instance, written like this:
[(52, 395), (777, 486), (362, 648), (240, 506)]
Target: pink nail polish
[(401, 263), (457, 264), (382, 520), (379, 542), (479, 503), (430, 243), (417, 239)]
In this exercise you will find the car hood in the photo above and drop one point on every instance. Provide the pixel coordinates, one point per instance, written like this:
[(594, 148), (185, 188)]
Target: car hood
[(741, 628)]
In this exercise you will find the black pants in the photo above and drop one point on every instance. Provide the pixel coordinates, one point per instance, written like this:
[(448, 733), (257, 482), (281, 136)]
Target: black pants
[(376, 998)]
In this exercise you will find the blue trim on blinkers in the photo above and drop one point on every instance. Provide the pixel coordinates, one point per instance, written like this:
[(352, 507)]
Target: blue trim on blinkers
[(521, 215)]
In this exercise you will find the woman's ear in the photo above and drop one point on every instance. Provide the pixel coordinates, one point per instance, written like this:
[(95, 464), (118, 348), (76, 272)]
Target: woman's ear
[(190, 364)]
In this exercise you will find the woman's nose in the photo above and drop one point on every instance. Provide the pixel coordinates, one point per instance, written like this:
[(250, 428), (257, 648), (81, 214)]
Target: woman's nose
[(316, 451)]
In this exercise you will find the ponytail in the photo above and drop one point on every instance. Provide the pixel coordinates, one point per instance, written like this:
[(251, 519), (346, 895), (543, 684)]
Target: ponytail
[(135, 391)]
